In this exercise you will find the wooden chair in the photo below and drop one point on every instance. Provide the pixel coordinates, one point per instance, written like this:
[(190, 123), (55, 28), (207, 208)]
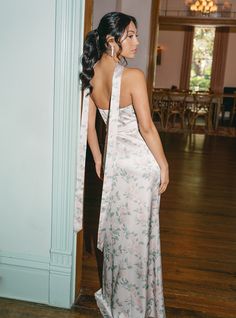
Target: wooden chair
[(159, 105), (232, 113), (228, 104), (176, 108), (203, 107)]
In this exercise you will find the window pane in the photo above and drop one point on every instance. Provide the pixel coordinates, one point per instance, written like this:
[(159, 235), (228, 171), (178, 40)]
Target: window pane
[(203, 44)]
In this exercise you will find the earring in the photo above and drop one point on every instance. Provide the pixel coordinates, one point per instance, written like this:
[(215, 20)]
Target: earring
[(112, 51)]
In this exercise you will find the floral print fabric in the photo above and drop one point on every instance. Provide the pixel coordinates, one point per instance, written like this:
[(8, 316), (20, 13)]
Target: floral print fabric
[(129, 221), (79, 191)]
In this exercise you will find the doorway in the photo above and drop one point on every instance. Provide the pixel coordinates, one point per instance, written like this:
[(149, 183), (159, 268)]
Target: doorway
[(89, 258)]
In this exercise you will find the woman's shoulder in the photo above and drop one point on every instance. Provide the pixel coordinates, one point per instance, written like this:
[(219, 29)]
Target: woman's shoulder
[(133, 72), (133, 75)]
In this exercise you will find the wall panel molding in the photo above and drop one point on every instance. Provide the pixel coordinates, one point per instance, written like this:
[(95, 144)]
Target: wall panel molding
[(24, 260), (68, 45), (30, 271)]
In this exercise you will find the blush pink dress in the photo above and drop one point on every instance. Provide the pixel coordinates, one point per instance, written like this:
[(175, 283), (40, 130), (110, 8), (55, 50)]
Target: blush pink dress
[(129, 233)]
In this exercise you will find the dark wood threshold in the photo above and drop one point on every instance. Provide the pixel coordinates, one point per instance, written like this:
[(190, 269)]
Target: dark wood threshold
[(197, 21)]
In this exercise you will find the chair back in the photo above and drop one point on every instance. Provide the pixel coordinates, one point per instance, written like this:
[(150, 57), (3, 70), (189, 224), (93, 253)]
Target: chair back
[(159, 99), (203, 101), (228, 102), (177, 101)]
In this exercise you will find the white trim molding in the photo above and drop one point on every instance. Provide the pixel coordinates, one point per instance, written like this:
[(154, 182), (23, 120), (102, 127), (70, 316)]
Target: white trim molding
[(68, 48), (25, 276)]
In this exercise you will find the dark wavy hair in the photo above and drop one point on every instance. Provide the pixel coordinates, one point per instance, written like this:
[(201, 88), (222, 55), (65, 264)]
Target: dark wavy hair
[(95, 44)]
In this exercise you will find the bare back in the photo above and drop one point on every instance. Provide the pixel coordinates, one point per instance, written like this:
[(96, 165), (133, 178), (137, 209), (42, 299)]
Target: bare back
[(102, 86)]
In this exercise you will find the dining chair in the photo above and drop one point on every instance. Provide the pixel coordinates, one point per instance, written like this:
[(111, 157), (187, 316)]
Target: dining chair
[(233, 113), (176, 108), (159, 105), (227, 105), (202, 107)]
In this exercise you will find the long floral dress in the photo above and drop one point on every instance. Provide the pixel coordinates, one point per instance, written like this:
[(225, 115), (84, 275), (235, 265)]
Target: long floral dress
[(129, 233)]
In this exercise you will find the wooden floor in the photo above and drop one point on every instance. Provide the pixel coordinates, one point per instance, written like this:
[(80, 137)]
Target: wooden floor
[(198, 228), (22, 309), (198, 235)]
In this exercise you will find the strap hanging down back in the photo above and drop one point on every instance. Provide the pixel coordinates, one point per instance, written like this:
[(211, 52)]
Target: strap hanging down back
[(81, 155), (110, 154), (109, 161)]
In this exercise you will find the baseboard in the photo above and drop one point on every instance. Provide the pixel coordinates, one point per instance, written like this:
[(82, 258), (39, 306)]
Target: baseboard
[(24, 277)]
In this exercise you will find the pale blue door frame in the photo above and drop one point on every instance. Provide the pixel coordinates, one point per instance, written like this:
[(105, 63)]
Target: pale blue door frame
[(68, 47)]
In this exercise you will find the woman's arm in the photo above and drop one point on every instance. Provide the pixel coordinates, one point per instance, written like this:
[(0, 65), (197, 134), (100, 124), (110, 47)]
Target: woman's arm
[(147, 128), (93, 138)]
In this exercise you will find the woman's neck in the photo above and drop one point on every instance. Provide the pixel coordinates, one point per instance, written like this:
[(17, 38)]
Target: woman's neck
[(109, 60)]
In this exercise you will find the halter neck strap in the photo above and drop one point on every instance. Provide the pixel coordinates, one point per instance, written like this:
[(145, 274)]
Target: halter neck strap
[(81, 155), (110, 153)]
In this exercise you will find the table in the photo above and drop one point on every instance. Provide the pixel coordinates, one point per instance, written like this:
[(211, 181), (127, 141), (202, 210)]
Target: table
[(190, 99)]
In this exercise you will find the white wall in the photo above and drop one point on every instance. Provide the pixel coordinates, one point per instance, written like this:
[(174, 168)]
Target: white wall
[(172, 5), (141, 10), (100, 8), (39, 105), (26, 99), (171, 43), (27, 32), (230, 69)]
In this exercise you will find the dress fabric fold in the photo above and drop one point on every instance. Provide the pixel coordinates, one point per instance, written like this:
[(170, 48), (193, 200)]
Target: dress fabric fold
[(80, 172)]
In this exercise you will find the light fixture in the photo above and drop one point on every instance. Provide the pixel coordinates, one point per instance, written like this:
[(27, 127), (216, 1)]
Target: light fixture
[(159, 51), (204, 6)]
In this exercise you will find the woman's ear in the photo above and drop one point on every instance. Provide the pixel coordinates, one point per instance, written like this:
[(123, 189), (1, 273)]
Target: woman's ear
[(110, 40)]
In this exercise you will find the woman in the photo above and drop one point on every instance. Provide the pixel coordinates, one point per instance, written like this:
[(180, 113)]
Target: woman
[(135, 172)]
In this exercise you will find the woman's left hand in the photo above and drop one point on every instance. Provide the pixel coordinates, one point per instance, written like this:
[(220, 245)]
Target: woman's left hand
[(164, 180)]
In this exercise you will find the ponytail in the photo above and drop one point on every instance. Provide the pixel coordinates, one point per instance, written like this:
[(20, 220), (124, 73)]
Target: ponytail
[(113, 24), (91, 54)]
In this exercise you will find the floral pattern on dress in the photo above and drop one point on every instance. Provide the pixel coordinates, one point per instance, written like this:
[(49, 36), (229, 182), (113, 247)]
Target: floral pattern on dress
[(81, 156), (129, 232)]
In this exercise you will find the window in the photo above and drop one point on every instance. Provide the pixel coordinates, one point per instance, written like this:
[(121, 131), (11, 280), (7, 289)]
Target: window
[(203, 44)]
